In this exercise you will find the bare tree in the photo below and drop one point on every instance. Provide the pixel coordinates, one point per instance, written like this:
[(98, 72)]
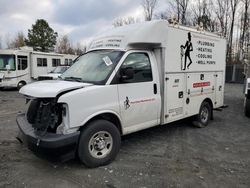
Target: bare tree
[(124, 21), (245, 25), (233, 6), (180, 7), (221, 8), (7, 41), (202, 13), (162, 16), (149, 8), (118, 22), (80, 49), (18, 41), (197, 10), (64, 46)]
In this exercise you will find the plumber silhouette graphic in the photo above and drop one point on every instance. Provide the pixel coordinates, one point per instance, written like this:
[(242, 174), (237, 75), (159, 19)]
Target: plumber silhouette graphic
[(189, 48)]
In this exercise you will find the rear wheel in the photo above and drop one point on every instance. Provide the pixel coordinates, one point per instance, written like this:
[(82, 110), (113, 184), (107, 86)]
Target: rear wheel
[(21, 84), (99, 143), (247, 107), (202, 119)]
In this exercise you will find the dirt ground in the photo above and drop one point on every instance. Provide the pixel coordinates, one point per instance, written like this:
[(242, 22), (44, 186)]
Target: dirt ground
[(177, 155)]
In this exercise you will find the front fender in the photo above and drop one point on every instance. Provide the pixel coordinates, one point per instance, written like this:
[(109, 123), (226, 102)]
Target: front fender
[(100, 113), (84, 104)]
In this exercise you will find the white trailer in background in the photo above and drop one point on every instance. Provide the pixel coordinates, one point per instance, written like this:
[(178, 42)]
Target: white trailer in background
[(21, 66), (131, 78)]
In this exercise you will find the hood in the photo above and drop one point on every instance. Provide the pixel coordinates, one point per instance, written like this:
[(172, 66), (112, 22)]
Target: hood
[(50, 88)]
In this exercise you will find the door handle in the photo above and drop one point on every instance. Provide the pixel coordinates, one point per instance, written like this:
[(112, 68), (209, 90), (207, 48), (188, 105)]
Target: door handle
[(155, 89)]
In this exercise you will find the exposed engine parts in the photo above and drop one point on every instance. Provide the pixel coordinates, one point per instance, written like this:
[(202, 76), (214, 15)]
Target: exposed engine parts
[(45, 115)]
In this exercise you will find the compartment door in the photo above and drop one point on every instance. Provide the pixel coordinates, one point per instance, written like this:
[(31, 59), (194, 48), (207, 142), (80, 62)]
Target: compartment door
[(219, 90), (174, 97)]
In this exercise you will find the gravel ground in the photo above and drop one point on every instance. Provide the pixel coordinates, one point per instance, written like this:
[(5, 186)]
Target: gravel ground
[(177, 155)]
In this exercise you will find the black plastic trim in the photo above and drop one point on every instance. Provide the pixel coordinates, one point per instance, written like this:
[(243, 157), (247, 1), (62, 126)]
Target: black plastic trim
[(52, 145)]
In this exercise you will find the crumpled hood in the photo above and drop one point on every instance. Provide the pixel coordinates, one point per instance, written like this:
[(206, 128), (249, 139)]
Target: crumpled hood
[(50, 88)]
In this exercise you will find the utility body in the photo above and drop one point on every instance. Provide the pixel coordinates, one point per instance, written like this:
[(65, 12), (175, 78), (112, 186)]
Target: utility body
[(21, 66), (131, 78)]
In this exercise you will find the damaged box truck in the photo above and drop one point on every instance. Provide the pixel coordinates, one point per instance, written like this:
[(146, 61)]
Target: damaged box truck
[(131, 78)]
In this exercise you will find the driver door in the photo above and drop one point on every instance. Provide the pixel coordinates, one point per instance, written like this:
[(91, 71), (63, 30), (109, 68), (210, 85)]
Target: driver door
[(139, 97)]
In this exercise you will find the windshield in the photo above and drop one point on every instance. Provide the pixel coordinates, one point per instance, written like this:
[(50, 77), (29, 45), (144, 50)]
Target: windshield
[(93, 67), (7, 60), (59, 70)]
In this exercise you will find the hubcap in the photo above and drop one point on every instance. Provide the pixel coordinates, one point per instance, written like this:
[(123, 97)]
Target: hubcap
[(204, 114), (100, 144)]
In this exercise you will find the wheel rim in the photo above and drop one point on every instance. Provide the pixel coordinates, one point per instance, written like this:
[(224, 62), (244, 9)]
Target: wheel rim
[(21, 84), (100, 144), (204, 114)]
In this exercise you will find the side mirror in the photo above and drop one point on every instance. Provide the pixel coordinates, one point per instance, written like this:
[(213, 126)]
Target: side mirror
[(127, 73), (7, 67)]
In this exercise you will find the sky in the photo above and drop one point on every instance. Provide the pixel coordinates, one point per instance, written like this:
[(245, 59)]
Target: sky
[(78, 19)]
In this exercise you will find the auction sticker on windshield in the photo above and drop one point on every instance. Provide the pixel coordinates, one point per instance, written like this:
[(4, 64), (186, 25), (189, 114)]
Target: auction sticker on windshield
[(107, 60)]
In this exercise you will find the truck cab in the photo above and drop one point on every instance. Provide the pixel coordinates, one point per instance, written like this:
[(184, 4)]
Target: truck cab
[(123, 83)]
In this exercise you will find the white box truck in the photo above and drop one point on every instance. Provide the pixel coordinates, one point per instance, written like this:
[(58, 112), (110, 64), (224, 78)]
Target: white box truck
[(131, 78), (246, 73), (21, 66)]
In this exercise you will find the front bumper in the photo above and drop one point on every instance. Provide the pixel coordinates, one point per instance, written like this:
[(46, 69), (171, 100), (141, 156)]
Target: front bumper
[(52, 146)]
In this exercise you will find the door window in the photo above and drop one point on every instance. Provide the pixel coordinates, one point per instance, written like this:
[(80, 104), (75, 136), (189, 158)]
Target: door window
[(140, 64), (22, 62)]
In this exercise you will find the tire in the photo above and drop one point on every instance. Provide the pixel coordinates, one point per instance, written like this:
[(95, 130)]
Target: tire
[(202, 119), (99, 143), (20, 84), (247, 107)]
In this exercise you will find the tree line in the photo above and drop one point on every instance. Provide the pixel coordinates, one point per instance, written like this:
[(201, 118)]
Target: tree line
[(228, 18), (43, 38)]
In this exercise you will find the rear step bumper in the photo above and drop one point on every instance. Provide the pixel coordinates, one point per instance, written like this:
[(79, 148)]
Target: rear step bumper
[(51, 146)]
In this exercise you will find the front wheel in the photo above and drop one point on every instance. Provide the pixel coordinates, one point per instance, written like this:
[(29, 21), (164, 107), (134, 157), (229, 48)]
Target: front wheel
[(99, 143), (247, 107), (20, 85), (202, 119)]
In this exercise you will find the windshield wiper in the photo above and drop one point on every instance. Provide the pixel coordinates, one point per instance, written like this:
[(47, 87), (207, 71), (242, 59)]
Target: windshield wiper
[(72, 78)]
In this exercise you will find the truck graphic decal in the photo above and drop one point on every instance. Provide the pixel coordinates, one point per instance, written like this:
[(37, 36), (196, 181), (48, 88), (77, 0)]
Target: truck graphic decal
[(201, 84), (189, 48), (205, 50), (143, 100), (126, 103)]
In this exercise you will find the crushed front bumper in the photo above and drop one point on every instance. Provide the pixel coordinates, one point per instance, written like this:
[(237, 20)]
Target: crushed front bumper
[(52, 146)]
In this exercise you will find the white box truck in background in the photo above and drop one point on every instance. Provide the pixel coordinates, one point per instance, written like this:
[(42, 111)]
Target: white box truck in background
[(21, 66), (246, 63), (131, 78)]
